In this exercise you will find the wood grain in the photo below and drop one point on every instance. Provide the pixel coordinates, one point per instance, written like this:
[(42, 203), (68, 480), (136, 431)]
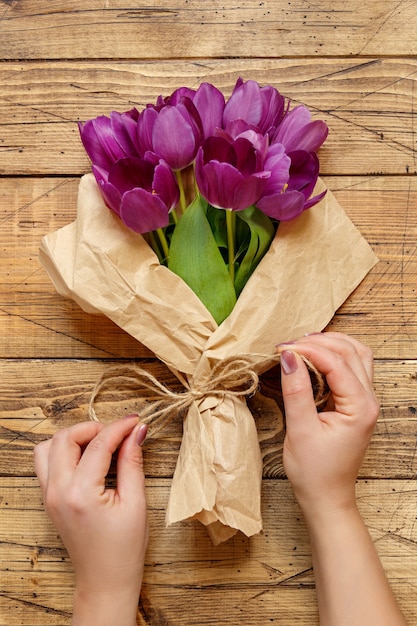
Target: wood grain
[(367, 104), (33, 29), (39, 397), (242, 581)]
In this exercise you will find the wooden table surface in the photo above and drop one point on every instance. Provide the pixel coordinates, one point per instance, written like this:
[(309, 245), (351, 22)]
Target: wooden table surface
[(355, 65)]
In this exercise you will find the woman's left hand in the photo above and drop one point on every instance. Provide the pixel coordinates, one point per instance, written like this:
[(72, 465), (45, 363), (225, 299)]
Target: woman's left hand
[(104, 530)]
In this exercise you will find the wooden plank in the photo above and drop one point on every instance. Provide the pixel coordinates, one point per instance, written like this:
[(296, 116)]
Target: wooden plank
[(255, 581), (36, 322), (33, 29), (368, 105), (39, 397)]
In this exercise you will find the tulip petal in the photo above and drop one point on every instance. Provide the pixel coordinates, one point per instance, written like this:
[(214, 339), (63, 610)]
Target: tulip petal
[(143, 211), (304, 172), (218, 148), (173, 138), (248, 159), (111, 195), (249, 190), (124, 128), (262, 107), (283, 207), (105, 134), (245, 103), (145, 126), (311, 137), (217, 183), (298, 132), (179, 94), (209, 102), (165, 185), (278, 163), (314, 200), (131, 172), (97, 152), (273, 105)]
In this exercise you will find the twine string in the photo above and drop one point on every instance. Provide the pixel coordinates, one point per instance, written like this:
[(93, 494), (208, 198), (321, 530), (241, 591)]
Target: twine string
[(233, 377)]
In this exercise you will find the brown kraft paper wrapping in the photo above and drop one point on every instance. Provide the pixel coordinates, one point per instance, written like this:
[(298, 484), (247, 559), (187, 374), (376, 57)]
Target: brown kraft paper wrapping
[(313, 264)]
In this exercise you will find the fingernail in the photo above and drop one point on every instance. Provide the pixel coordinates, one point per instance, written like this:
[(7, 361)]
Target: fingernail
[(141, 436), (285, 343), (311, 334), (131, 416), (288, 362)]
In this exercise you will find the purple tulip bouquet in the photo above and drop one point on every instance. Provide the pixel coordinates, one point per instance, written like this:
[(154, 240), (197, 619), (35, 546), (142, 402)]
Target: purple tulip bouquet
[(209, 258), (208, 181)]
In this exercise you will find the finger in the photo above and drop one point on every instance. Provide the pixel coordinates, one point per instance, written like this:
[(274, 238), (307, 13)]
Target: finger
[(66, 449), (348, 392), (358, 355), (130, 471), (364, 352), (41, 460), (95, 462), (300, 410)]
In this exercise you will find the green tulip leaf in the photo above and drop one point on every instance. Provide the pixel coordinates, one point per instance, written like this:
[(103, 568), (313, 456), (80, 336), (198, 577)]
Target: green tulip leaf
[(195, 257), (262, 231)]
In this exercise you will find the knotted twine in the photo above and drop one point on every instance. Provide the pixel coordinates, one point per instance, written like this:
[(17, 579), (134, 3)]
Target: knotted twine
[(234, 376)]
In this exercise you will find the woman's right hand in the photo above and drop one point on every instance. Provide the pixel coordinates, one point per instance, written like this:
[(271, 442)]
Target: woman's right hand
[(323, 451)]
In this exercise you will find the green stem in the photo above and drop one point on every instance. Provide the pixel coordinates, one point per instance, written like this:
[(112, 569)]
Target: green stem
[(196, 189), (174, 216), (154, 245), (230, 224), (183, 202), (164, 242)]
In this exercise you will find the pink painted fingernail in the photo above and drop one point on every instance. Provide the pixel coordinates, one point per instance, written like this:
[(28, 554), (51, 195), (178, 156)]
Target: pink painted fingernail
[(142, 432), (131, 416), (285, 343), (289, 363), (311, 334)]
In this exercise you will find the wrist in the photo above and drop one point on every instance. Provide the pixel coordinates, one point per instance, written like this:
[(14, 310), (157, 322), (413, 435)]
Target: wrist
[(326, 524), (104, 608), (328, 503)]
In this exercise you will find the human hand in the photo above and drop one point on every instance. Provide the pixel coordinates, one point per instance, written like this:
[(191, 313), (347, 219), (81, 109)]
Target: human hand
[(104, 530), (324, 451)]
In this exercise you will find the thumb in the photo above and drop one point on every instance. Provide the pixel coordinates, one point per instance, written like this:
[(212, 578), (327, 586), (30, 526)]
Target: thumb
[(297, 391), (130, 470)]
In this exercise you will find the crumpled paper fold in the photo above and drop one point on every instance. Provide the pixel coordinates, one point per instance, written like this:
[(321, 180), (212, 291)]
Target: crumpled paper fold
[(313, 264)]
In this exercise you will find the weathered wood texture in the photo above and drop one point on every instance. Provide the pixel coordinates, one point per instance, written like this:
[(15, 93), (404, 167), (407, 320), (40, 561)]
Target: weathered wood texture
[(254, 581), (354, 65), (38, 397), (44, 29), (367, 103)]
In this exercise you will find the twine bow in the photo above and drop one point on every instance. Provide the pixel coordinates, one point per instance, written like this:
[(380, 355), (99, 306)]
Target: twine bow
[(235, 376)]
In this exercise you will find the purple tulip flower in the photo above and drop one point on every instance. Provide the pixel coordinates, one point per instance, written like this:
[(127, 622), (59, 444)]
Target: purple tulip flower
[(173, 132), (209, 102), (290, 200), (298, 132), (107, 139), (141, 191), (262, 107), (230, 173)]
